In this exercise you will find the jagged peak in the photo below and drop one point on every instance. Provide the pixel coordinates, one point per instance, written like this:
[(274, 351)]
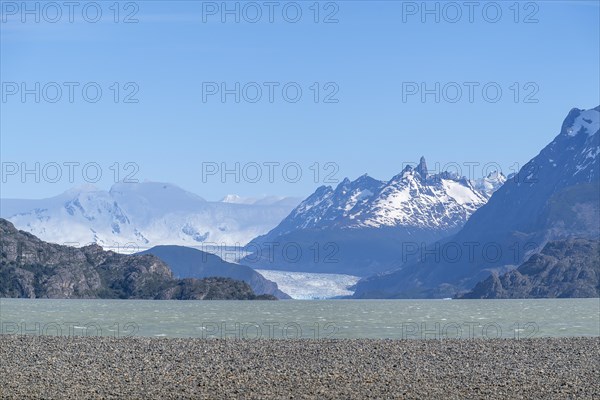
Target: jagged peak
[(422, 168), (406, 171), (364, 177), (359, 182)]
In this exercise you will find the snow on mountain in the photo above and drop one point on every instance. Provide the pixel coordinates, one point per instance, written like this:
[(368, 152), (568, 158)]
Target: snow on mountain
[(142, 215), (588, 121), (554, 196), (490, 183), (412, 198), (235, 199), (363, 226)]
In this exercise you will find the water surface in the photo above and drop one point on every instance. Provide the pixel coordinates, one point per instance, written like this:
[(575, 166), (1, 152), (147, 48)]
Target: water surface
[(395, 319)]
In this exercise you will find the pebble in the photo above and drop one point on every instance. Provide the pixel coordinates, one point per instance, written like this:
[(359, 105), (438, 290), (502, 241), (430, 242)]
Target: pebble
[(45, 367)]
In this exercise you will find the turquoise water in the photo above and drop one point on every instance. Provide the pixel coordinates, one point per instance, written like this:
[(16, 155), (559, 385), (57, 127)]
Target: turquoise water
[(396, 319)]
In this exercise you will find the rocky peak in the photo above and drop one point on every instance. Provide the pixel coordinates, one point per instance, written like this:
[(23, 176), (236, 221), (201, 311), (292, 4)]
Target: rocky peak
[(578, 121), (421, 169)]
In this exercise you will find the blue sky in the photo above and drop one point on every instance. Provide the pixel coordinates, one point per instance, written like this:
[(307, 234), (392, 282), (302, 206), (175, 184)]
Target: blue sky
[(371, 58)]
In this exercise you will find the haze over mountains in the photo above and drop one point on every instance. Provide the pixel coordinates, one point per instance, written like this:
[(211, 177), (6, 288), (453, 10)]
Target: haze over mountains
[(143, 215)]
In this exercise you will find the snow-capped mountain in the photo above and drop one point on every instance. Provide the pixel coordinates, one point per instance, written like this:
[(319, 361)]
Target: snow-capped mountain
[(136, 216), (410, 199), (368, 212), (489, 184), (413, 198), (555, 196), (327, 207)]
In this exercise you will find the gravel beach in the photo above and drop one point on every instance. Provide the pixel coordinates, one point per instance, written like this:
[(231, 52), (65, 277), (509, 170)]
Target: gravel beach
[(141, 368)]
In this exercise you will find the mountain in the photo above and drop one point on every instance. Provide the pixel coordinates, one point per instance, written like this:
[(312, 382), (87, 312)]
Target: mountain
[(555, 196), (566, 268), (186, 262), (30, 267), (489, 184), (360, 227), (140, 215)]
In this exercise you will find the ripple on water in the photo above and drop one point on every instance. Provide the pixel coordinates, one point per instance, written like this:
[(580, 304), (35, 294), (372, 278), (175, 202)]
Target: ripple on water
[(357, 318)]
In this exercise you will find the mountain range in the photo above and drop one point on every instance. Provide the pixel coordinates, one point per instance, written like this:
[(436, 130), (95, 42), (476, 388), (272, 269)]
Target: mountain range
[(554, 196), (137, 216), (360, 226), (417, 235)]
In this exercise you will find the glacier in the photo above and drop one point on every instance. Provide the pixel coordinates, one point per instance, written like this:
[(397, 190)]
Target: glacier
[(311, 286)]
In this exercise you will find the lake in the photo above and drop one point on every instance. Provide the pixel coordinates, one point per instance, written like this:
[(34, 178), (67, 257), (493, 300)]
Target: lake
[(394, 319)]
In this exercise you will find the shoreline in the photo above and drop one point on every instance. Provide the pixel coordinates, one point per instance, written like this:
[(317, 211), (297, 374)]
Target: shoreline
[(102, 367)]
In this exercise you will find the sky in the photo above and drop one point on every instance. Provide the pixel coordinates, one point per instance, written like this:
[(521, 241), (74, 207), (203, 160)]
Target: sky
[(278, 98)]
